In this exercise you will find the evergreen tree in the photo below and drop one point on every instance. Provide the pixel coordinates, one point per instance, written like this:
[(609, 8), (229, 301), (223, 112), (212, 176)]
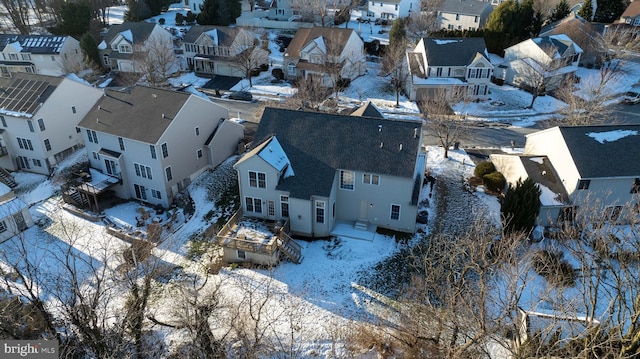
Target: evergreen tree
[(586, 11), (609, 11), (520, 206), (512, 22), (219, 12), (560, 11), (398, 31), (76, 18), (137, 10), (90, 50)]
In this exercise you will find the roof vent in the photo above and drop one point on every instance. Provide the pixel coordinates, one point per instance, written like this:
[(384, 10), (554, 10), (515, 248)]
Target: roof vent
[(163, 116), (99, 107), (381, 144), (154, 95), (97, 120), (400, 147), (380, 128)]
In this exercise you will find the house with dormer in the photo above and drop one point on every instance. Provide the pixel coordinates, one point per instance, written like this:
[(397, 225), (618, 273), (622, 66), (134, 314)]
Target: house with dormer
[(315, 170), (125, 45), (631, 15), (463, 14), (38, 119), (39, 54), (553, 57), (451, 64), (592, 167), (150, 143), (313, 49), (210, 50)]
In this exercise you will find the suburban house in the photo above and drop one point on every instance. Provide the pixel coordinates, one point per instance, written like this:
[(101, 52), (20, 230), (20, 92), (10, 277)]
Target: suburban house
[(39, 54), (463, 14), (449, 63), (554, 57), (209, 50), (312, 50), (282, 10), (125, 46), (150, 143), (392, 9), (631, 14), (580, 166), (14, 214), (38, 119), (582, 32)]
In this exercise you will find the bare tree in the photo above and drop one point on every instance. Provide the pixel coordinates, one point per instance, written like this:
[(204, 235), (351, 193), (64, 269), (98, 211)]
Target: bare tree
[(310, 93), (394, 64), (441, 121), (157, 60), (420, 23), (310, 10), (17, 14), (249, 55)]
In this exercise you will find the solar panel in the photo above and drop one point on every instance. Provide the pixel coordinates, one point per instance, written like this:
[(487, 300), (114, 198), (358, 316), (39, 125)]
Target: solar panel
[(22, 96)]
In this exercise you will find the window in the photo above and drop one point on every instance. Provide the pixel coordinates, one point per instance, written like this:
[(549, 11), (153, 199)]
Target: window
[(319, 211), (368, 178), (41, 124), (635, 187), (438, 71), (475, 19), (47, 145), (25, 144), (457, 17), (3, 226), (156, 194), (167, 171), (396, 7), (253, 204), (37, 162), (257, 179), (567, 214), (450, 27), (4, 122), (95, 155), (242, 254), (284, 206), (30, 123), (73, 109), (197, 131), (121, 142), (271, 208), (93, 136), (23, 162), (111, 167), (291, 68), (153, 151), (395, 212), (199, 153), (26, 57), (105, 59), (141, 192), (165, 150), (612, 213), (347, 179), (584, 184), (143, 171)]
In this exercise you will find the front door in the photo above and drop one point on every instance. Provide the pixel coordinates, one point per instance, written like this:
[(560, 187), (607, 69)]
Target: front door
[(364, 210), (271, 209)]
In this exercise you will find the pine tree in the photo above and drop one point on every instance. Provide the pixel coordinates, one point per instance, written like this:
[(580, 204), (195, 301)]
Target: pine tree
[(219, 12), (520, 206), (560, 11), (76, 18), (397, 32), (609, 11), (586, 11), (90, 50)]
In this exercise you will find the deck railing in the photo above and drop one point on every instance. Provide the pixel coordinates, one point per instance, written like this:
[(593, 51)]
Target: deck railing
[(227, 238)]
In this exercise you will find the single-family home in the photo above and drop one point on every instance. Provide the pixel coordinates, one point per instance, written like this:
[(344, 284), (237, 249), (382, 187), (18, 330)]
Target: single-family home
[(582, 166), (282, 10), (463, 14), (313, 50), (151, 142), (38, 119), (391, 9), (449, 63), (14, 214), (39, 54), (125, 46), (582, 32), (315, 170), (553, 58), (631, 14), (210, 50)]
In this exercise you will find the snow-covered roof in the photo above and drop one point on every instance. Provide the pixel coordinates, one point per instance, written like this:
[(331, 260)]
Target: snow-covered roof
[(11, 206), (213, 34), (16, 45), (319, 41), (128, 35), (4, 189), (437, 81), (274, 155), (102, 45), (444, 42), (610, 136)]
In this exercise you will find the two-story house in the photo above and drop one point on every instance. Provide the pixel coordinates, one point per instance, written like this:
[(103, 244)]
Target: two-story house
[(449, 63), (155, 141), (391, 9), (585, 34), (317, 169), (38, 119), (312, 50), (39, 54), (593, 167), (125, 45), (553, 58), (463, 14), (210, 50), (631, 15), (14, 214)]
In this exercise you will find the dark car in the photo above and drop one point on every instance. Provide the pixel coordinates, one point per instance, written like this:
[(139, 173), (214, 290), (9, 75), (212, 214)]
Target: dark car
[(241, 95)]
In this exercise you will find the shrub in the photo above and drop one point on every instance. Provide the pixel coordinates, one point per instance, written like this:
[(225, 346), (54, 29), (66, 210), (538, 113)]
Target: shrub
[(483, 169), (520, 206), (494, 181), (179, 19), (162, 21), (278, 74), (554, 268)]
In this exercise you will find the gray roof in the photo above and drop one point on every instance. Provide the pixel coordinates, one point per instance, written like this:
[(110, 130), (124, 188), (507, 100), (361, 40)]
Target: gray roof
[(453, 51), (368, 110), (140, 113), (466, 7), (593, 159), (34, 44), (226, 34), (140, 30), (317, 144)]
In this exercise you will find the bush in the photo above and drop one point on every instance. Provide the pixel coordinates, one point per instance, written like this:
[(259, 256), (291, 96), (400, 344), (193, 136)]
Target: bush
[(179, 19), (494, 181), (343, 83), (554, 268), (278, 74), (162, 21), (191, 17), (483, 169)]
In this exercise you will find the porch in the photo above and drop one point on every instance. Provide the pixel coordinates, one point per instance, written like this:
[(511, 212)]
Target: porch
[(87, 187)]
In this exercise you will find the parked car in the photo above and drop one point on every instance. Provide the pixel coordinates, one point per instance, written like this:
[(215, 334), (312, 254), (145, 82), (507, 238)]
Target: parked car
[(632, 97), (241, 95)]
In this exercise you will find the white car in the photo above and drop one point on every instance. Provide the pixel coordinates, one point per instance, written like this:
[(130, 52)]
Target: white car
[(632, 97)]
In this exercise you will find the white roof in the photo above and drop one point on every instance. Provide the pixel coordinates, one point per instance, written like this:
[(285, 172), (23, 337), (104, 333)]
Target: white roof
[(213, 34), (102, 45), (320, 43), (274, 155), (128, 35)]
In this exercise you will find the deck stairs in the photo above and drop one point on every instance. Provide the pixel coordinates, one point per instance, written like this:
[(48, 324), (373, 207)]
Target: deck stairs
[(290, 248), (7, 178)]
